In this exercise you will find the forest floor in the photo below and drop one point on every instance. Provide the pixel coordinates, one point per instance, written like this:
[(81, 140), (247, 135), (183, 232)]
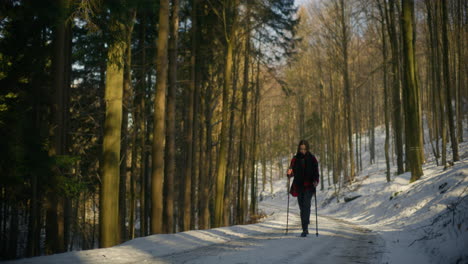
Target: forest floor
[(397, 222)]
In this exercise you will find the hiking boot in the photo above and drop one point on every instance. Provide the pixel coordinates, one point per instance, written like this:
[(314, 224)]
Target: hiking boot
[(304, 234), (306, 231)]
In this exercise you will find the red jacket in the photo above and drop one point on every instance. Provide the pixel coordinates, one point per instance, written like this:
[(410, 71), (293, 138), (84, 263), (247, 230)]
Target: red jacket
[(305, 173)]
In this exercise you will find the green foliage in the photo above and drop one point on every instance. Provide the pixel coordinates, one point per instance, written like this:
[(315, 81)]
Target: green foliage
[(278, 26), (4, 101), (65, 161), (71, 186)]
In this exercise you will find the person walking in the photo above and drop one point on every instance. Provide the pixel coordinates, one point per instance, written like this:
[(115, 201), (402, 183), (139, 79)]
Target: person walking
[(304, 168)]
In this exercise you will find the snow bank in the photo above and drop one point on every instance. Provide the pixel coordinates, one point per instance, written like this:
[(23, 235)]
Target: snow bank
[(421, 222)]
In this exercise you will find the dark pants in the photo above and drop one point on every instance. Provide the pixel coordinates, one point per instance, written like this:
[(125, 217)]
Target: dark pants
[(304, 200)]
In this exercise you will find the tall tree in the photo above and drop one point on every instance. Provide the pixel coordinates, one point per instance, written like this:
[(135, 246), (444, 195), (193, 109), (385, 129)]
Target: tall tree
[(170, 162), (433, 85), (109, 199), (396, 88), (159, 130), (196, 78), (447, 82), (345, 38), (127, 104), (228, 185), (255, 123), (55, 222), (143, 129), (229, 15), (411, 93), (460, 62), (385, 86)]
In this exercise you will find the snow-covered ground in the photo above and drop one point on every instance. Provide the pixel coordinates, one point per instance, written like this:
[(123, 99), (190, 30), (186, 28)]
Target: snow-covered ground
[(397, 222), (422, 222)]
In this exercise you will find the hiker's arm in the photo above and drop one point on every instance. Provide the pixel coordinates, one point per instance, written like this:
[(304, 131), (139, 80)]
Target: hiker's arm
[(290, 172)]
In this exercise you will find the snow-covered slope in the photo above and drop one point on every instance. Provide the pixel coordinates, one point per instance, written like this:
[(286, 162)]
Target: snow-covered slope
[(422, 222)]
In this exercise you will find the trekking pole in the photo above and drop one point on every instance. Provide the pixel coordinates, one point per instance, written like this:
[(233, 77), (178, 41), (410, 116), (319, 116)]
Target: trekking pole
[(316, 217), (287, 213)]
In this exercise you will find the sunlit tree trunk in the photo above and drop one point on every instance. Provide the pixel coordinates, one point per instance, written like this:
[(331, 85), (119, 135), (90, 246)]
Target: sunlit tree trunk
[(222, 159), (396, 89), (411, 93), (109, 206), (159, 132), (228, 186), (241, 172), (170, 162)]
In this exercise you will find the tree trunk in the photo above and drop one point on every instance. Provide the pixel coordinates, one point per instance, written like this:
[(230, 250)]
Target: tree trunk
[(441, 94), (385, 86), (123, 154), (202, 174), (229, 175), (411, 93), (133, 176), (109, 204), (127, 104), (196, 113), (243, 138), (185, 210), (67, 221), (434, 86), (222, 155), (14, 231), (33, 248), (347, 86), (253, 156), (301, 115), (264, 177), (205, 178), (322, 132), (450, 112), (170, 152), (55, 240), (159, 132), (140, 97), (3, 219), (460, 79), (396, 90)]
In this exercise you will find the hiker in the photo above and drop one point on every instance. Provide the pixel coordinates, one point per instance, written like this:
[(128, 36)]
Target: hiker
[(304, 169)]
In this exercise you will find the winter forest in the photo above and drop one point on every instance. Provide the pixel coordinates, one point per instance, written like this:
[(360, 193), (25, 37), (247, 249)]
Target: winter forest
[(124, 120)]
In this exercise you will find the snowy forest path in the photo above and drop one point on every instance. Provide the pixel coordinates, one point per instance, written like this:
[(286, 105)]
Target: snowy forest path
[(338, 242)]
